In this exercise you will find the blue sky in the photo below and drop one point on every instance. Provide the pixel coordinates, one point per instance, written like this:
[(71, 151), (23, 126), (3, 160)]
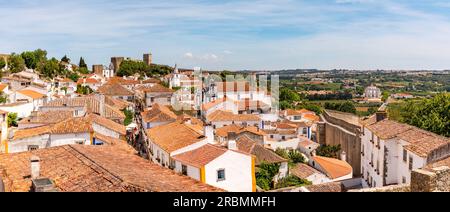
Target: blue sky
[(236, 34)]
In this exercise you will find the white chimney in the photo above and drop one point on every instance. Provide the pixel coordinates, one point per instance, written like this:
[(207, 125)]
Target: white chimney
[(344, 156), (35, 167), (232, 141), (208, 132), (102, 106)]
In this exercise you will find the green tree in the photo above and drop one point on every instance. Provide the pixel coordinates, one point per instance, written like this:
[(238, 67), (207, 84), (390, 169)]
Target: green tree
[(429, 114), (83, 70), (282, 153), (2, 63), (29, 59), (289, 95), (265, 175), (65, 59), (34, 58), (12, 120), (296, 157), (129, 117), (82, 63), (312, 107), (131, 67), (74, 76), (292, 181), (329, 151), (50, 68), (84, 90), (16, 63), (3, 97)]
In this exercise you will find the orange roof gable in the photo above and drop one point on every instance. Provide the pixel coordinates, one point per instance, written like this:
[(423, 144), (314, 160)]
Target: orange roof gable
[(32, 94), (201, 156), (3, 86), (334, 168)]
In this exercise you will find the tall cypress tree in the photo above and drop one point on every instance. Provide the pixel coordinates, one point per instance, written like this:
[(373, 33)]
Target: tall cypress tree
[(82, 64)]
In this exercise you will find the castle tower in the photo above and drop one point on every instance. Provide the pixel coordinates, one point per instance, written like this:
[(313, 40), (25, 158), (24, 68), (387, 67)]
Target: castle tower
[(97, 69), (148, 59), (116, 61)]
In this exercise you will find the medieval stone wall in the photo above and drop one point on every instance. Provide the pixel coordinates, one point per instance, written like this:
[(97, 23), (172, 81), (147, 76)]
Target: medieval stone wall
[(334, 131)]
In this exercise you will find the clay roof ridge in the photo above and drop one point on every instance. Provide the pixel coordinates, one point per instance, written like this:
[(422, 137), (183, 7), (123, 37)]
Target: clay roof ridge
[(92, 164)]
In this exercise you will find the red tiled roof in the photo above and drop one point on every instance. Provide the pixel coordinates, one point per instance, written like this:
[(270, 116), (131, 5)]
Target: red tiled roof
[(174, 136), (303, 171), (219, 115), (32, 94), (114, 89), (263, 155), (334, 168), (223, 132), (201, 156), (159, 113), (88, 81), (79, 168)]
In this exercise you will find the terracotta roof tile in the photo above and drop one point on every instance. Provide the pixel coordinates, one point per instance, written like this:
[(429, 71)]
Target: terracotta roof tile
[(422, 142), (88, 81), (114, 89), (48, 117), (248, 104), (174, 136), (32, 94), (229, 116), (212, 104), (303, 171), (326, 187), (3, 86), (92, 103), (249, 146), (31, 132), (94, 169), (201, 156), (159, 113), (388, 129), (334, 168), (85, 124), (157, 88), (223, 132)]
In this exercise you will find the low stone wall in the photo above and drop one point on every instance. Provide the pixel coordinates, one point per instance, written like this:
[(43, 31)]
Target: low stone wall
[(434, 180), (394, 188)]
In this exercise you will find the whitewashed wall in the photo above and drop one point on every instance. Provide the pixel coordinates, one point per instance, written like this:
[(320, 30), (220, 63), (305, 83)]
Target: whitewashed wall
[(238, 172)]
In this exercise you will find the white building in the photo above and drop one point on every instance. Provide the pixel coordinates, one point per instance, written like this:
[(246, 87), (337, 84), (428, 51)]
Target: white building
[(31, 96), (220, 167), (158, 115), (372, 92), (390, 151), (223, 104), (334, 169), (168, 140), (219, 119), (304, 171), (77, 130)]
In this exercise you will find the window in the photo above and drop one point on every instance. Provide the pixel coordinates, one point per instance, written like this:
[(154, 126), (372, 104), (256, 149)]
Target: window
[(405, 155), (184, 170), (79, 142), (271, 136), (403, 180), (221, 175), (283, 137), (410, 163), (33, 147)]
